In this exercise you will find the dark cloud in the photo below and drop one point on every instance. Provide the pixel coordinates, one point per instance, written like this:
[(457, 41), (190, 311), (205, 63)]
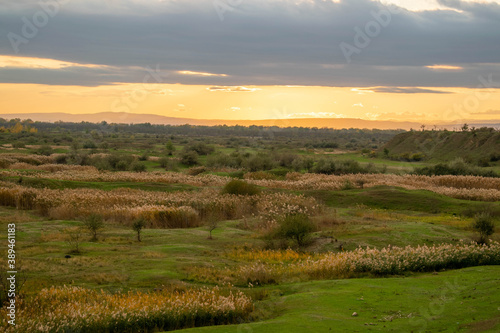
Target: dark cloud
[(258, 43)]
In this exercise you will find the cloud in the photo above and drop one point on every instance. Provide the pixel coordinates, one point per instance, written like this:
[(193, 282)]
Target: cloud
[(486, 113), (316, 115), (399, 90), (200, 73), (444, 67), (358, 105), (261, 42), (232, 89)]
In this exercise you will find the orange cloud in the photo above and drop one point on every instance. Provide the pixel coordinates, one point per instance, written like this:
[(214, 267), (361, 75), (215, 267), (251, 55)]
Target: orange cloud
[(199, 73), (445, 67), (28, 62)]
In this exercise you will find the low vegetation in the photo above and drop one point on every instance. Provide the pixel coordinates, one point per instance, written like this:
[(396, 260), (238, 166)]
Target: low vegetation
[(144, 228)]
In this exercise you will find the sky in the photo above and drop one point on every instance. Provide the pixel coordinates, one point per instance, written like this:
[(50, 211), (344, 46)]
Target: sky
[(432, 61)]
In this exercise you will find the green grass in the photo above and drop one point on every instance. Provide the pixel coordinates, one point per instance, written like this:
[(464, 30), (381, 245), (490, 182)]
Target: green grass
[(394, 198), (374, 217), (464, 300)]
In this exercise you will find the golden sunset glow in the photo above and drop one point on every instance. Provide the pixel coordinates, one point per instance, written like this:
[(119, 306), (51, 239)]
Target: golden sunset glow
[(253, 102)]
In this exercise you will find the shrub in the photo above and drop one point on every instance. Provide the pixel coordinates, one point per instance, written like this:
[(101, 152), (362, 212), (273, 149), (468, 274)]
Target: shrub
[(484, 225), (45, 150), (457, 167), (94, 223), (163, 161), (61, 159), (138, 167), (189, 158), (137, 226), (89, 145), (240, 187), (74, 238), (259, 162), (18, 144), (296, 227), (194, 171), (200, 148), (324, 166)]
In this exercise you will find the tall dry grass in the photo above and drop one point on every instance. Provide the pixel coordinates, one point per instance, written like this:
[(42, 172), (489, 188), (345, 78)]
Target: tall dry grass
[(282, 266), (461, 187), (160, 209), (74, 309)]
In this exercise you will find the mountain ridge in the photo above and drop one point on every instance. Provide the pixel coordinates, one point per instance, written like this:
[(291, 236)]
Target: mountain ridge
[(336, 123)]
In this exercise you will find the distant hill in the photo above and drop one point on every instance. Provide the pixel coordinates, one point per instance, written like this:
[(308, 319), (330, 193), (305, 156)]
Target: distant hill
[(473, 146), (133, 118)]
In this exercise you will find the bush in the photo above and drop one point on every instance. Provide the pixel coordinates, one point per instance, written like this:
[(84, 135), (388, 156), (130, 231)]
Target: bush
[(484, 225), (296, 227), (61, 159), (89, 145), (199, 148), (259, 162), (138, 167), (324, 166), (457, 167), (45, 150), (18, 144), (240, 187), (137, 226), (196, 170), (94, 223), (163, 161), (189, 158)]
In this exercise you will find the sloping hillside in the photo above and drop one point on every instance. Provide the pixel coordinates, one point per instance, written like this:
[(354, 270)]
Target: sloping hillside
[(473, 145)]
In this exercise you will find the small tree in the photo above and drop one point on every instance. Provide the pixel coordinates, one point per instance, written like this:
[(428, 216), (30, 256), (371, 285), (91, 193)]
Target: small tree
[(170, 148), (138, 225), (74, 238), (484, 225), (213, 222), (296, 227), (94, 223)]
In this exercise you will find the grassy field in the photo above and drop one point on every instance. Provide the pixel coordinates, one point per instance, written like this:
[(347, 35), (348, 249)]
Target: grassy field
[(344, 216), (455, 301), (463, 300)]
